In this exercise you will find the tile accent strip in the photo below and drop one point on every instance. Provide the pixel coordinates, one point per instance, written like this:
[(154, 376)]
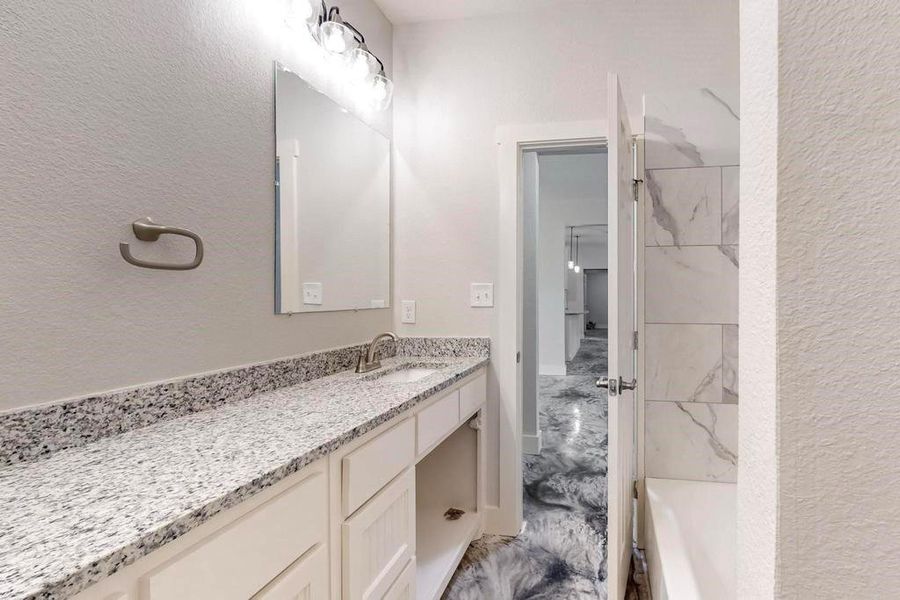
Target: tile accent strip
[(36, 432)]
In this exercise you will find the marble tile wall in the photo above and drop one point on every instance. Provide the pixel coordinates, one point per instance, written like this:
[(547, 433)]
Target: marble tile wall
[(691, 262)]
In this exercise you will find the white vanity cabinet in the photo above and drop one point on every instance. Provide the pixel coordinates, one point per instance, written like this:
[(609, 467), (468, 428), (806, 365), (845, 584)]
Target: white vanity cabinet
[(367, 522), (379, 540), (273, 542), (307, 579)]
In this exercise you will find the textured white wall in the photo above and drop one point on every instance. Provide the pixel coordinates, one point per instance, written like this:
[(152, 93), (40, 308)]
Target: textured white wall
[(117, 110), (456, 81), (823, 163)]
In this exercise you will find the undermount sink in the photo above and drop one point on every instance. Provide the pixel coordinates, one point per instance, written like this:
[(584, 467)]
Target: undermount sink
[(406, 374)]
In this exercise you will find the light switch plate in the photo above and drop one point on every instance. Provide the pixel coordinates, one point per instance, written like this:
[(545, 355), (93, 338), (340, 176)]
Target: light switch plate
[(409, 311), (482, 295), (312, 293)]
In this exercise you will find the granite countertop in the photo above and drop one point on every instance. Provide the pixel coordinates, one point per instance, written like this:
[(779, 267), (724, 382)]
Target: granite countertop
[(84, 513)]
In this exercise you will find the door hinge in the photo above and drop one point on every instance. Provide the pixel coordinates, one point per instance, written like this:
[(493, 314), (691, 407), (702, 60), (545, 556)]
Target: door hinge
[(518, 357), (634, 488), (635, 338)]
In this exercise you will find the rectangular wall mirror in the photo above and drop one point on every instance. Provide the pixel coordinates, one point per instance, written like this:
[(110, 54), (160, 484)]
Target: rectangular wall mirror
[(332, 204)]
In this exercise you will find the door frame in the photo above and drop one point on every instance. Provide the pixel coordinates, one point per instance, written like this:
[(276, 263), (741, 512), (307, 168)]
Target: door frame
[(512, 141)]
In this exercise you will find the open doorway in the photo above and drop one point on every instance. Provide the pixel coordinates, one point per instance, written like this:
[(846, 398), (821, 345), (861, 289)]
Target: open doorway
[(564, 414), (543, 502), (587, 310)]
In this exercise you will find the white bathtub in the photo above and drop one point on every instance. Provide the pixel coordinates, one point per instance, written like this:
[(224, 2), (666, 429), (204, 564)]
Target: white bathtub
[(691, 539)]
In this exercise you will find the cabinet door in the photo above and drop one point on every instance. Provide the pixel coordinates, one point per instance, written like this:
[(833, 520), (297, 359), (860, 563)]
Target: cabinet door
[(405, 586), (306, 579), (379, 540)]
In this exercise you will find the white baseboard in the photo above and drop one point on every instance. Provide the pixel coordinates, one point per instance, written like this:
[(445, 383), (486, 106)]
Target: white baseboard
[(552, 369), (531, 443)]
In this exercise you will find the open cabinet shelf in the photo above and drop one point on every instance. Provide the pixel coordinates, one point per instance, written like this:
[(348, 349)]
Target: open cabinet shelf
[(446, 478), (440, 545)]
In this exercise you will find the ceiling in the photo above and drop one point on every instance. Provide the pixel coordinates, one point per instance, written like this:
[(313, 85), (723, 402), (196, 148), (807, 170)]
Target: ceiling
[(414, 11)]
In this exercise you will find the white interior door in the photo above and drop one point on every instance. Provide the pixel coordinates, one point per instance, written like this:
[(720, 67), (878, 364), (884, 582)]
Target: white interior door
[(621, 461)]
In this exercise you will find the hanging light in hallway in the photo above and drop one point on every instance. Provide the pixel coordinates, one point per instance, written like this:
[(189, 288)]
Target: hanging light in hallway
[(577, 267), (571, 261)]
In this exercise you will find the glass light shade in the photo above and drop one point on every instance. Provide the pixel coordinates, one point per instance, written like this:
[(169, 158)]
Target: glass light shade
[(571, 264), (302, 14), (577, 269), (382, 90), (335, 37), (361, 63)]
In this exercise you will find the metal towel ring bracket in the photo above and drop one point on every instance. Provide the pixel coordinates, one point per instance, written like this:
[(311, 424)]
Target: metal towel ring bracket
[(148, 231)]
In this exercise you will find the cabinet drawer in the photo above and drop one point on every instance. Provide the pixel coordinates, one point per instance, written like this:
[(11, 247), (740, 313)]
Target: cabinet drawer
[(370, 467), (379, 540), (437, 421), (242, 558), (405, 586), (472, 396), (306, 579)]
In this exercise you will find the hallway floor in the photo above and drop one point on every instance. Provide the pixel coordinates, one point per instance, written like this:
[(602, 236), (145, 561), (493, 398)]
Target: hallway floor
[(562, 552), (592, 357)]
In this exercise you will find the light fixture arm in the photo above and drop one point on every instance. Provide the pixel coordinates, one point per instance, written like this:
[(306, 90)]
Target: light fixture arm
[(332, 14), (360, 38)]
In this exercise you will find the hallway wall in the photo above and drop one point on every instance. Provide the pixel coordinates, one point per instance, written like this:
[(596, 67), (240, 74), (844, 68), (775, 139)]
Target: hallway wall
[(690, 285)]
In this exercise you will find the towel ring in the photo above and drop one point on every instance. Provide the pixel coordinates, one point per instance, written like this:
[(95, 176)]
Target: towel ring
[(148, 231)]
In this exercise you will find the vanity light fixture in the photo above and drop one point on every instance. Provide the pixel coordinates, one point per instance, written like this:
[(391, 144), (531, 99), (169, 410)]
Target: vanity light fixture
[(571, 263), (362, 63), (335, 37), (304, 14), (340, 38)]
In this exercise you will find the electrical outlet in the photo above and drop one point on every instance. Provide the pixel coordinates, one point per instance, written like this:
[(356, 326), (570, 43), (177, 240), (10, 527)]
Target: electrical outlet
[(312, 293), (409, 311), (482, 294)]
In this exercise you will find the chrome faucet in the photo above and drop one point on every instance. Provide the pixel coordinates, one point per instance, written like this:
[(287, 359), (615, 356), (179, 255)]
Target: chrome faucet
[(367, 361)]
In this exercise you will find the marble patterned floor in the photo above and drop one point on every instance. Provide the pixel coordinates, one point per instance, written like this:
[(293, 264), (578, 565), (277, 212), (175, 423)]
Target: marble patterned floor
[(592, 355), (561, 553)]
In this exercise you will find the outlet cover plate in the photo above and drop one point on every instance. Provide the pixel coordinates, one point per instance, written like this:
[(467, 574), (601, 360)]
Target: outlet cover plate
[(482, 295), (312, 293), (408, 314)]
